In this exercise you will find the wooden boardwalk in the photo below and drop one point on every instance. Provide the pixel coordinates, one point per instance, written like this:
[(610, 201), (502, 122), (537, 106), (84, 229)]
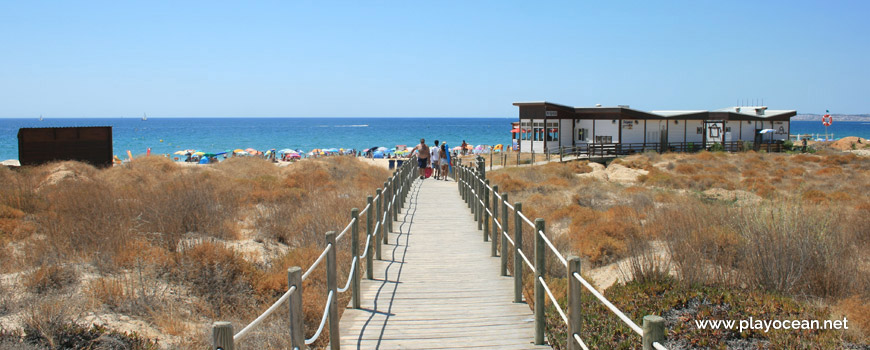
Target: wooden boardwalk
[(437, 286)]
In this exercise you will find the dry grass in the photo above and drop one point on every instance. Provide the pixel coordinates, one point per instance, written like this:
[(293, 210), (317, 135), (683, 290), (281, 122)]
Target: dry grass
[(806, 238), (128, 223)]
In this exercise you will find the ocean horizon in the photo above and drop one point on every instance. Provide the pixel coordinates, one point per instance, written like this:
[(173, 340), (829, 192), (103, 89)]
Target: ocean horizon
[(217, 134)]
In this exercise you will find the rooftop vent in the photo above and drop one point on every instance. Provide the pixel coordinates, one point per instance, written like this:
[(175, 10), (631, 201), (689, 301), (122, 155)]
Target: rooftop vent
[(760, 110), (622, 106), (597, 105)]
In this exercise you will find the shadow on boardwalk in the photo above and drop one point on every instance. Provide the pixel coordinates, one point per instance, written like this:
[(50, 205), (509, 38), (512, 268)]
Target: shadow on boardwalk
[(437, 286)]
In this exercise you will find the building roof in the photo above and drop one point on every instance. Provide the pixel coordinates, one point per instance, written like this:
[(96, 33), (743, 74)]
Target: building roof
[(625, 112)]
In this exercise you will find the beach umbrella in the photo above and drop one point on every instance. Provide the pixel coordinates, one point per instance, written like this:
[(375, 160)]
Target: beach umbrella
[(469, 147), (199, 153), (382, 149), (515, 130), (181, 153), (238, 150), (294, 155), (251, 150), (242, 153), (457, 148), (765, 131)]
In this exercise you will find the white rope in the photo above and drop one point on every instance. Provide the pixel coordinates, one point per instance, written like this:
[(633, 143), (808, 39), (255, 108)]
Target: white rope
[(498, 195), (511, 207), (364, 209), (366, 252), (494, 219), (553, 299), (322, 321), (345, 229), (550, 244), (506, 236), (529, 263), (609, 305), (349, 277), (526, 219), (580, 341), (489, 212), (265, 314), (316, 262), (659, 346)]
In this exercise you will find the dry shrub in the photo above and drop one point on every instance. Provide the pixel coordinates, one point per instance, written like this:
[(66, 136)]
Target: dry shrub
[(685, 168), (857, 311), (806, 158), (108, 291), (46, 318), (701, 246), (218, 275), (49, 278), (138, 251), (604, 239), (815, 196)]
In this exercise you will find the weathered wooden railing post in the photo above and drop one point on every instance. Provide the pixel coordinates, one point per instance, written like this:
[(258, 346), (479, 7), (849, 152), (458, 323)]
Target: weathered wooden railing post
[(574, 306), (222, 336), (485, 213), (332, 286), (518, 260), (396, 198), (297, 328), (369, 265), (493, 233), (653, 331), (540, 272), (388, 222), (475, 192), (354, 254), (379, 229), (504, 225)]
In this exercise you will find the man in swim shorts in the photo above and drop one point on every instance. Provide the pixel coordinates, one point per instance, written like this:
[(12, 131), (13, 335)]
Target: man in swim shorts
[(435, 158), (422, 157)]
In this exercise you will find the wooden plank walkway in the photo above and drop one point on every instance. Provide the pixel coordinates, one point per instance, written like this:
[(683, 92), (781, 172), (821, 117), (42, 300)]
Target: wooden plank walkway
[(437, 287)]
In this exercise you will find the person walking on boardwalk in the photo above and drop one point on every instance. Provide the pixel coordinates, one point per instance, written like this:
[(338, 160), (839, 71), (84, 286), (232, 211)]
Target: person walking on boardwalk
[(435, 156), (445, 163), (422, 157)]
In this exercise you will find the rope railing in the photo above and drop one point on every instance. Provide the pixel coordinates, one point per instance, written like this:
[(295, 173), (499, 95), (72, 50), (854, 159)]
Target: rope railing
[(609, 305), (475, 190), (322, 321), (393, 193)]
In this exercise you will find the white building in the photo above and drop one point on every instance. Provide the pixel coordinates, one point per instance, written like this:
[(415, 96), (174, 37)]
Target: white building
[(546, 126)]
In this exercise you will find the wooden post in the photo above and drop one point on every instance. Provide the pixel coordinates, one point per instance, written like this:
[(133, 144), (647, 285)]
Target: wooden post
[(574, 306), (297, 327), (396, 197), (222, 336), (493, 233), (485, 214), (518, 260), (332, 286), (504, 224), (369, 264), (653, 331), (540, 266), (354, 253), (475, 193), (380, 228)]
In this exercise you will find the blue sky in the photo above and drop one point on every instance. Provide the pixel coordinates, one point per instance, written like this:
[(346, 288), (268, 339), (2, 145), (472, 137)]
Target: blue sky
[(426, 58)]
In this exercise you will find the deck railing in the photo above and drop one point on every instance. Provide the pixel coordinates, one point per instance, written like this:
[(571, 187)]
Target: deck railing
[(596, 150), (476, 191), (383, 207)]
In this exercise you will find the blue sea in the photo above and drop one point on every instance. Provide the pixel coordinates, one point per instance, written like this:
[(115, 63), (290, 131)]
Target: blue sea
[(167, 135), (213, 135)]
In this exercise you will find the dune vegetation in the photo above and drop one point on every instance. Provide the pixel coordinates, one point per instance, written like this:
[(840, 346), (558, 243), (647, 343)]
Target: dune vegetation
[(148, 254), (709, 236)]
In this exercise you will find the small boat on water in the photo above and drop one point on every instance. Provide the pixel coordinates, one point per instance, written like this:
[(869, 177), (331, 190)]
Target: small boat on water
[(144, 117), (40, 117)]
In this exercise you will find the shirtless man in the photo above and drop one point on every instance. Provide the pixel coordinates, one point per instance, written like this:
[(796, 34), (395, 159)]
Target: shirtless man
[(422, 156)]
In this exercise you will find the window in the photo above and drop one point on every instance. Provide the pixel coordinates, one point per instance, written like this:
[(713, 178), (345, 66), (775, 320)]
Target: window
[(538, 132), (700, 130), (552, 131), (525, 131), (603, 139), (581, 134)]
